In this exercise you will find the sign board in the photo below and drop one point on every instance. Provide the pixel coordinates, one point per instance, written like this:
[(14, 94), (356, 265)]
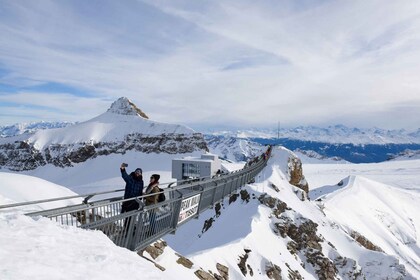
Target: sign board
[(189, 207)]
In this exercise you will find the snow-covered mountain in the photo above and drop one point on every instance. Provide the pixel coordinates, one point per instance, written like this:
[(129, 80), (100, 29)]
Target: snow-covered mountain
[(334, 142), (356, 229), (233, 149), (405, 155), (331, 134), (22, 128), (239, 149), (122, 128)]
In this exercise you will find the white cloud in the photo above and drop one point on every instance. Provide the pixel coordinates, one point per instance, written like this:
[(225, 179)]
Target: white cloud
[(246, 63)]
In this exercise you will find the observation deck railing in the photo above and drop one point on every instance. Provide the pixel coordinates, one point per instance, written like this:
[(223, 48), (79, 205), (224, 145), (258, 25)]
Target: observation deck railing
[(136, 229)]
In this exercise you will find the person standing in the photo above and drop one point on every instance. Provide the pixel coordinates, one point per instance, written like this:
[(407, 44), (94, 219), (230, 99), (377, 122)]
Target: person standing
[(133, 188), (153, 191)]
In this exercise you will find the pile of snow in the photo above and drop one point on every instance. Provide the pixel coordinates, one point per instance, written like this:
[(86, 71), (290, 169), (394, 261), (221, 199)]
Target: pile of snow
[(42, 249), (16, 188)]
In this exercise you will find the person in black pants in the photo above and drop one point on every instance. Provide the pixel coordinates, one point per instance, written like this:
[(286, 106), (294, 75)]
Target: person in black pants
[(133, 188)]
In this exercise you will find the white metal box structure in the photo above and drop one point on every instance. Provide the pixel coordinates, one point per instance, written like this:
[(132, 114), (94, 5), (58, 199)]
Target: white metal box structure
[(193, 167)]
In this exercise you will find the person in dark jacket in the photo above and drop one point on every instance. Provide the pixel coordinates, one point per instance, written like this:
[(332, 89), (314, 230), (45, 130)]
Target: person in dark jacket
[(133, 188)]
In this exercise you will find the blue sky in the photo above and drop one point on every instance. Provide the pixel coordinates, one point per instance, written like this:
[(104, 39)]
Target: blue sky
[(213, 63)]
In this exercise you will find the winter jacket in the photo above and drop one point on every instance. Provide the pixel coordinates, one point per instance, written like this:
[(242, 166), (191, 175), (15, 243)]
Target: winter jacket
[(133, 185), (153, 199)]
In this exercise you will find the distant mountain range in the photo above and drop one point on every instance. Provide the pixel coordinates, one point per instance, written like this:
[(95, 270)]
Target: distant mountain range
[(338, 142), (122, 128), (335, 142), (337, 134), (23, 128)]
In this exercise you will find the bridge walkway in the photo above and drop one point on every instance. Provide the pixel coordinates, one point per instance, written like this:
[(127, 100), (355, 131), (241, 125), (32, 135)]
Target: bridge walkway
[(136, 229)]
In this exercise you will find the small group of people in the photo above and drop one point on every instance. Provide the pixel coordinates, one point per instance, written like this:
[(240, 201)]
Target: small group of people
[(134, 187)]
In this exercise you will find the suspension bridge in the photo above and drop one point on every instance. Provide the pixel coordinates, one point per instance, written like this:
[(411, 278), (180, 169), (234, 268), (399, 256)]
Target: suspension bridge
[(135, 230)]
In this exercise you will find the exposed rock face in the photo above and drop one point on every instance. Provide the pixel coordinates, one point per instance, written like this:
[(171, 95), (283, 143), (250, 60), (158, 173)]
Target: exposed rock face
[(217, 208), (273, 271), (223, 270), (242, 263), (365, 242), (203, 275), (156, 249), (233, 198), (296, 174), (21, 155), (123, 106), (278, 206), (305, 243), (293, 274), (245, 196), (184, 261)]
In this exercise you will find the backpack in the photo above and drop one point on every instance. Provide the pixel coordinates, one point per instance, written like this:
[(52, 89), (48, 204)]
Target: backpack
[(161, 197)]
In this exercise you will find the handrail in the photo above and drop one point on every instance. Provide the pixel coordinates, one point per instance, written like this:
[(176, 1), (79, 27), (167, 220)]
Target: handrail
[(138, 228), (54, 199), (86, 196)]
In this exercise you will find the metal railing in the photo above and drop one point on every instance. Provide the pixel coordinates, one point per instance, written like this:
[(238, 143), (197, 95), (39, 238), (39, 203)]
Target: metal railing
[(138, 228)]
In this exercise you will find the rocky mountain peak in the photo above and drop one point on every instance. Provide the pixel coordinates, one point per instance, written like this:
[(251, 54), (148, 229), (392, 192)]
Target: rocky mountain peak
[(124, 106)]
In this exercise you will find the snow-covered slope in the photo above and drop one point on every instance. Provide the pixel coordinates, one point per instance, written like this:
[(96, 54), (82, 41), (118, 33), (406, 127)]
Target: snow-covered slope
[(42, 249), (120, 120), (293, 235), (267, 228), (387, 216), (22, 188)]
